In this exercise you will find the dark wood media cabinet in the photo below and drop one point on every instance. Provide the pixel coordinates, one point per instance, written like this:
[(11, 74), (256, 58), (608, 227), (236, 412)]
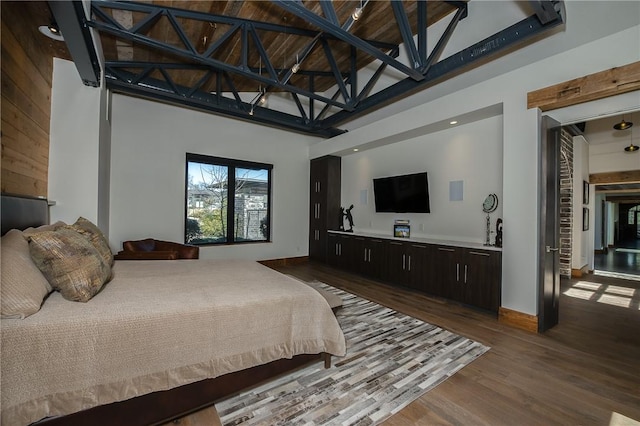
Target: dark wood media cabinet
[(467, 274)]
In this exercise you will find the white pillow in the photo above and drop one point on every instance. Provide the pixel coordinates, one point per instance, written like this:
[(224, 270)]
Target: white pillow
[(23, 286)]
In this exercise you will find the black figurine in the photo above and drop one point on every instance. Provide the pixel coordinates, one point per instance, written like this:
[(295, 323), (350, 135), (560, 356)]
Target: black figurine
[(499, 232), (349, 218), (341, 227)]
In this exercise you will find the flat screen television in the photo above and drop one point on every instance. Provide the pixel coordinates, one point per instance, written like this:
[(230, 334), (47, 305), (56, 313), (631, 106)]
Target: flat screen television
[(402, 194)]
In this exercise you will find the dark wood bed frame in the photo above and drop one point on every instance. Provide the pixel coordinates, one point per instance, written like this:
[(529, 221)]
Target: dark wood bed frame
[(158, 407)]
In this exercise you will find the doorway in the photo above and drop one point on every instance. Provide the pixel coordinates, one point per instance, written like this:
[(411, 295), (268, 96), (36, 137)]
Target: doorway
[(622, 257)]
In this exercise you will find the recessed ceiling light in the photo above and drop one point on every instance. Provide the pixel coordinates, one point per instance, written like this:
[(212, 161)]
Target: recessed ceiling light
[(355, 150), (453, 122), (51, 31)]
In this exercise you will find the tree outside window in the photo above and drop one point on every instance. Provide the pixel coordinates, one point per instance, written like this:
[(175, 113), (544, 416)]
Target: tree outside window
[(227, 201)]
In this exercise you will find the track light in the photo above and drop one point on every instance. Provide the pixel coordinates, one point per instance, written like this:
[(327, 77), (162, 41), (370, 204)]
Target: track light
[(52, 31), (296, 67), (357, 14), (263, 99)]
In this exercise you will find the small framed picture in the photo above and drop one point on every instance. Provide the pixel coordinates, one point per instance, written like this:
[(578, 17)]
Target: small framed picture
[(401, 231), (585, 219), (585, 192)]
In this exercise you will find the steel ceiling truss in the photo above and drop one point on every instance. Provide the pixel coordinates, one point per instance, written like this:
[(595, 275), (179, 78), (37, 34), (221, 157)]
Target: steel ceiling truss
[(351, 98)]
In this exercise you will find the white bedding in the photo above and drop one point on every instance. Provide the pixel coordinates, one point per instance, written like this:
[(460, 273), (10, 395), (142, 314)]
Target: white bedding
[(155, 326)]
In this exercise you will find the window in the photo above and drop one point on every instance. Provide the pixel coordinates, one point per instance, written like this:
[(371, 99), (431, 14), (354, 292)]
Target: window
[(227, 201)]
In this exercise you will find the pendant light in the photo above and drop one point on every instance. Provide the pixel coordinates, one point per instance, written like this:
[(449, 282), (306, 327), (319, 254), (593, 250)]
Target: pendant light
[(622, 125)]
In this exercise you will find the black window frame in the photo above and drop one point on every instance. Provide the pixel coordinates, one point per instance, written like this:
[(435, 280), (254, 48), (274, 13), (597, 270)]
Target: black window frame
[(232, 165)]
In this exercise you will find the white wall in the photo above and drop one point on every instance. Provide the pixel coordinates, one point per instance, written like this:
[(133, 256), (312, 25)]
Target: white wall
[(450, 155), (73, 145), (149, 142)]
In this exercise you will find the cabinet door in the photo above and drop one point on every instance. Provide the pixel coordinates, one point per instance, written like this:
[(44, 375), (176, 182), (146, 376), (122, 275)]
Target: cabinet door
[(340, 251), (481, 278), (398, 264), (318, 244), (369, 255), (360, 254), (419, 266), (446, 272), (345, 252), (333, 250)]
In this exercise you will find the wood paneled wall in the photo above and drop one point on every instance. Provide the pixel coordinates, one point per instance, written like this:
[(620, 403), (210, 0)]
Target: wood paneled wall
[(27, 66)]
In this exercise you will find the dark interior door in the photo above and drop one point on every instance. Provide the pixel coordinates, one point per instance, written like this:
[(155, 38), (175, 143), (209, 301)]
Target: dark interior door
[(549, 286)]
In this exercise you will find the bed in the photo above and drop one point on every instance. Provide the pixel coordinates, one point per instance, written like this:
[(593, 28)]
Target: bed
[(161, 339)]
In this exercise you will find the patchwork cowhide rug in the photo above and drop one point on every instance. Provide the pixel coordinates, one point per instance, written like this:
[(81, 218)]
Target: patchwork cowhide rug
[(392, 359)]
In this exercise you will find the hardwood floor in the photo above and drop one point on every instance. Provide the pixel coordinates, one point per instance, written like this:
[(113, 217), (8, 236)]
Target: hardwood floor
[(580, 372), (585, 371)]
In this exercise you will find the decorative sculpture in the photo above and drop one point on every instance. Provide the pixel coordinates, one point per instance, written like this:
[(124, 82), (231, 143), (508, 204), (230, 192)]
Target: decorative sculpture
[(489, 205), (349, 217), (499, 233), (341, 227)]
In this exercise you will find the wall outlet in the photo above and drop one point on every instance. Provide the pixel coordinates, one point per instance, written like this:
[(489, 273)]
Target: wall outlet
[(370, 224), (421, 227)]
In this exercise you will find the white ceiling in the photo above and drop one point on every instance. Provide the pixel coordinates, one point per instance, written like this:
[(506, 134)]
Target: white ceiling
[(601, 131)]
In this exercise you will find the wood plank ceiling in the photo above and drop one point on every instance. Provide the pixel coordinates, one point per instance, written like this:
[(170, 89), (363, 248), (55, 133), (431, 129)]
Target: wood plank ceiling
[(375, 24)]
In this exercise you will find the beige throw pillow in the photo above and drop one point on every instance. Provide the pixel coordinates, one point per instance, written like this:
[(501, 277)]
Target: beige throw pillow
[(23, 286), (69, 261), (97, 238)]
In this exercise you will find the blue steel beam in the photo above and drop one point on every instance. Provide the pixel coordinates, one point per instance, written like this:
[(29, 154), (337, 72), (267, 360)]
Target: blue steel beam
[(167, 91), (407, 35), (72, 21), (508, 38)]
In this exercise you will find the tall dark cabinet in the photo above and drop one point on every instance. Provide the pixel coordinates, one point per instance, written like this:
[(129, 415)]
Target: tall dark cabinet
[(324, 208)]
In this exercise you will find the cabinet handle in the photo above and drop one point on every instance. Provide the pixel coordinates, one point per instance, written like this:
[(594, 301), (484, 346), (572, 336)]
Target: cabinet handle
[(465, 274), (445, 249), (457, 272), (477, 253), (319, 186), (340, 251), (369, 255), (409, 262), (403, 263), (365, 255)]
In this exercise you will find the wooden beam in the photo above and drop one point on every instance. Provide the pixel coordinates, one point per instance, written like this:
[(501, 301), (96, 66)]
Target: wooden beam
[(629, 176), (614, 81)]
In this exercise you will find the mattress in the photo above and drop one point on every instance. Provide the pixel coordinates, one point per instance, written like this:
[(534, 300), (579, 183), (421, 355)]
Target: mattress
[(157, 325)]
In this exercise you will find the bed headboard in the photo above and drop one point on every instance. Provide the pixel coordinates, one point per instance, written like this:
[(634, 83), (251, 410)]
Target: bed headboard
[(22, 212)]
